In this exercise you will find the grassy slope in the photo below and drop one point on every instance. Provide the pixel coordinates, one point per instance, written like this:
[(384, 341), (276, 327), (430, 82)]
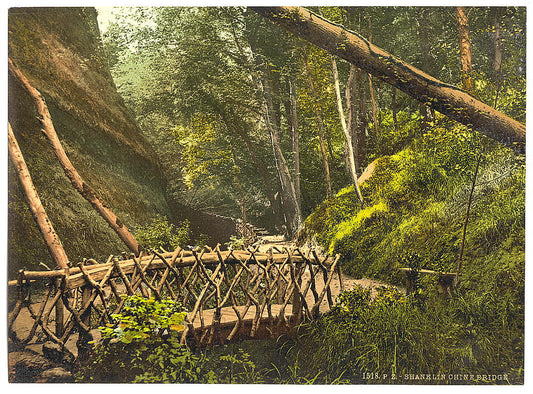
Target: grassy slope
[(415, 206), (413, 215)]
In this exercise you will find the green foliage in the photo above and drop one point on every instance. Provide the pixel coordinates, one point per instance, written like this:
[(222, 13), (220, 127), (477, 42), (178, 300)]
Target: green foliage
[(396, 335), (416, 202), (143, 346), (391, 140), (236, 243), (159, 233), (238, 368), (413, 217)]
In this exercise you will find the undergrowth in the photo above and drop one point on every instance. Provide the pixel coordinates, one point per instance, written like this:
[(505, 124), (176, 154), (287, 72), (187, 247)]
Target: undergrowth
[(415, 205)]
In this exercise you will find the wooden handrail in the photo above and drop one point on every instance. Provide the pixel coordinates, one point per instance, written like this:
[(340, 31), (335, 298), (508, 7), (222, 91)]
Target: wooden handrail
[(427, 272)]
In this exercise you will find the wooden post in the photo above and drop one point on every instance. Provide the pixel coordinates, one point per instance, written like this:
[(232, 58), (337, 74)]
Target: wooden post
[(296, 297), (52, 241), (75, 179), (60, 308), (339, 273), (280, 289), (445, 285), (412, 277), (83, 336)]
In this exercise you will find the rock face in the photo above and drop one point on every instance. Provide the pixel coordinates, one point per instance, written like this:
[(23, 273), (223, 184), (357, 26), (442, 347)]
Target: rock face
[(59, 50)]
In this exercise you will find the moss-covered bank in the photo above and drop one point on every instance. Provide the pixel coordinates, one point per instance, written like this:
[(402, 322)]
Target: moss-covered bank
[(415, 205), (413, 215)]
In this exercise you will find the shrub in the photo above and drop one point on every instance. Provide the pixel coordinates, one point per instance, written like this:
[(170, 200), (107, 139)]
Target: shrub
[(398, 335), (142, 345), (159, 233)]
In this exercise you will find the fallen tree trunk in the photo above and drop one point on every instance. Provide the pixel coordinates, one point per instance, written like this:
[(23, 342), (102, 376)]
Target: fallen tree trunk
[(447, 99), (70, 171), (52, 241)]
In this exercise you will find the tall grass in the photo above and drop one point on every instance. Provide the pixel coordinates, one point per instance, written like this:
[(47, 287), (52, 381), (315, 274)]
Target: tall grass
[(415, 206)]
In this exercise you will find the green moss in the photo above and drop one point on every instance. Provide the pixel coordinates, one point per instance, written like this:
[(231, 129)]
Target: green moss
[(415, 203), (347, 229)]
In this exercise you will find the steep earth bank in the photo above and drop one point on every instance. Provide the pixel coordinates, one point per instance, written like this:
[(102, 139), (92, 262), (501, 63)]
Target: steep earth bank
[(59, 50)]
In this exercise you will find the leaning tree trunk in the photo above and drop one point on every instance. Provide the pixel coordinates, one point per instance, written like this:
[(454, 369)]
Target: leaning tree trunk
[(352, 169), (52, 241), (291, 208), (75, 179), (447, 99)]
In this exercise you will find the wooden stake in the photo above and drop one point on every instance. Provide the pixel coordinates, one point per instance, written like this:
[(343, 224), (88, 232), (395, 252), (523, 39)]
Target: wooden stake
[(75, 179), (52, 241)]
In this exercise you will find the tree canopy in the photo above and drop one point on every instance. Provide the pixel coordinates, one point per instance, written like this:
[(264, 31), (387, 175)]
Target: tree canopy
[(211, 88)]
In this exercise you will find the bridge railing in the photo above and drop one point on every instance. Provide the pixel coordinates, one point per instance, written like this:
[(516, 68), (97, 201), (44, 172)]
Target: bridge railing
[(227, 294)]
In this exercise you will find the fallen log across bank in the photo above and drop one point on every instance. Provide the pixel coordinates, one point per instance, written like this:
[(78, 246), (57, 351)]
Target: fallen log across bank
[(445, 98)]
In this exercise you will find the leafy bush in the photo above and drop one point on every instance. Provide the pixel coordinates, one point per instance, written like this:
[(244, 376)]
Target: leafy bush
[(159, 233), (143, 346), (236, 243)]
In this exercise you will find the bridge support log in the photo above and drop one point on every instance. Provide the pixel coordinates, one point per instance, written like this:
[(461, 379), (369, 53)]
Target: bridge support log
[(230, 294)]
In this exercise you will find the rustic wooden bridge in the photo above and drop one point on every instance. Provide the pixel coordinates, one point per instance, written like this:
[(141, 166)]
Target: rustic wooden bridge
[(229, 295)]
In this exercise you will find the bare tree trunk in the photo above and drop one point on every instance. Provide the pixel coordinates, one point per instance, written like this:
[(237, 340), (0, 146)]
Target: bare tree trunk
[(52, 241), (242, 196), (498, 54), (464, 50), (361, 125), (290, 204), (351, 157), (293, 122), (75, 179), (467, 215), (320, 126), (447, 99), (371, 88), (425, 60), (374, 106)]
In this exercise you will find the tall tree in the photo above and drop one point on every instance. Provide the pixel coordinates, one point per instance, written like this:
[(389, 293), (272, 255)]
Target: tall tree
[(295, 139), (498, 52), (371, 88), (425, 58), (443, 97), (351, 159), (464, 49), (291, 207), (320, 128)]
